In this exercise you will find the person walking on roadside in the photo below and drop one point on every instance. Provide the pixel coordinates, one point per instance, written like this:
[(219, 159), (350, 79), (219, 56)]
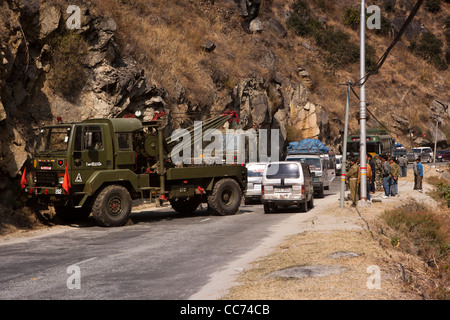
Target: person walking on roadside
[(418, 175), (403, 163), (368, 177), (395, 173), (386, 178), (352, 178), (378, 173)]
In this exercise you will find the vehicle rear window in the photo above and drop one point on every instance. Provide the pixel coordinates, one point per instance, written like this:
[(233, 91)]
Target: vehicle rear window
[(314, 163), (255, 171), (282, 171)]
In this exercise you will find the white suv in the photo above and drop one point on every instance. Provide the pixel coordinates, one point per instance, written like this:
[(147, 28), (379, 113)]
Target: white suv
[(285, 184)]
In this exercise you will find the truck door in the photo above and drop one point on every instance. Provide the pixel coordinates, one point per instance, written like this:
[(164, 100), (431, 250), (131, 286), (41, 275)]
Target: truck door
[(92, 152)]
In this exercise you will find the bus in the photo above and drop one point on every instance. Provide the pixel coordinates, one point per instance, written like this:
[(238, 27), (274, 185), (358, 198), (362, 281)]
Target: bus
[(378, 142)]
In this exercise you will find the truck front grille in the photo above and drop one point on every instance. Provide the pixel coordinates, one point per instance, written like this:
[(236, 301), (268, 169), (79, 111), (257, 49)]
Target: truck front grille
[(46, 179)]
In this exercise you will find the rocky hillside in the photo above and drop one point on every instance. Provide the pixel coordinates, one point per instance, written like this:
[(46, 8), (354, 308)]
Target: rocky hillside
[(277, 62)]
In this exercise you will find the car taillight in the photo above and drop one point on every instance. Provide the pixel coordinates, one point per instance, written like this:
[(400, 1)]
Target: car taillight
[(262, 190), (303, 189)]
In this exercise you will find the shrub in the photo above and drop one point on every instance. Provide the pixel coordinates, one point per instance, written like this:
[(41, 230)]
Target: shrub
[(433, 5), (337, 43), (429, 47), (301, 7), (389, 6), (386, 26), (351, 18), (444, 191), (68, 74)]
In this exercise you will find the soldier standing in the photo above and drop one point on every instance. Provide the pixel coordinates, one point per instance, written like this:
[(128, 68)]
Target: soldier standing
[(378, 173), (403, 165), (352, 178), (394, 174)]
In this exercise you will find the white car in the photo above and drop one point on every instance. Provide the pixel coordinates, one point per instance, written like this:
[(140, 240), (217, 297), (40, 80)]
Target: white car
[(287, 183), (254, 181)]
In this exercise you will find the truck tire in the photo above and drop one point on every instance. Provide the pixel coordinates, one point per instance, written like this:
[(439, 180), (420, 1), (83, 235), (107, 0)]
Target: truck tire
[(112, 207), (185, 206), (225, 198)]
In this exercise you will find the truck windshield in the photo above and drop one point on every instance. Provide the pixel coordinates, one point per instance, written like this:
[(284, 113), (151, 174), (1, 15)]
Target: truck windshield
[(282, 171), (53, 139)]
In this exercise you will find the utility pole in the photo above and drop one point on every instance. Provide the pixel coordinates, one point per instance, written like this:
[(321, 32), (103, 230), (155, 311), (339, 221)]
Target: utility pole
[(362, 112), (344, 147)]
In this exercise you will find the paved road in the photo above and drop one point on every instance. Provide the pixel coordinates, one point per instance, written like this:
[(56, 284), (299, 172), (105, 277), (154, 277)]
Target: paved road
[(161, 256)]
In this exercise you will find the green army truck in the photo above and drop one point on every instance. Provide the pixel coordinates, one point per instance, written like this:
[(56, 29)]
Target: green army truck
[(99, 166)]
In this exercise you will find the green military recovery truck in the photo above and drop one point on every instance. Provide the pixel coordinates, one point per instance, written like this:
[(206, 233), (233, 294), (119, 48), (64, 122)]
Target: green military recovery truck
[(99, 166)]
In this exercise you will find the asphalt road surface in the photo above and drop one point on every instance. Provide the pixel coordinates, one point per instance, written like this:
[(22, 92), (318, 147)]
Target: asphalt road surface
[(161, 256)]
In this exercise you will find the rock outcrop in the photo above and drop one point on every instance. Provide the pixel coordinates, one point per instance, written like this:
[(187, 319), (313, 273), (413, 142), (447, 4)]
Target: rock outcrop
[(113, 85)]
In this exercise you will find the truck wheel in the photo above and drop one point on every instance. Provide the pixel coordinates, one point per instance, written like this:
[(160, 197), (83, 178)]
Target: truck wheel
[(185, 206), (225, 198), (112, 207)]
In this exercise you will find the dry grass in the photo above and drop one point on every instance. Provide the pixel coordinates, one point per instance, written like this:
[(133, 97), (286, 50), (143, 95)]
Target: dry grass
[(315, 249)]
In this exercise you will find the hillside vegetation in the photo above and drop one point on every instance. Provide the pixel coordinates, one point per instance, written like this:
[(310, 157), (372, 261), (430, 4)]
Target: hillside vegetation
[(322, 38)]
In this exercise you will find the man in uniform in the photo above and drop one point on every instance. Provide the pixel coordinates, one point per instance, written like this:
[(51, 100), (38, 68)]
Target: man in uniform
[(352, 178), (395, 173), (368, 177), (378, 173), (403, 163)]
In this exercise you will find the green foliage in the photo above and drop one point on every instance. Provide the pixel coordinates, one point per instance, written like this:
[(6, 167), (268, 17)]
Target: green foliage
[(351, 18), (68, 74), (336, 43), (429, 47), (341, 51), (444, 191), (386, 26), (303, 27), (433, 5), (301, 7), (389, 5)]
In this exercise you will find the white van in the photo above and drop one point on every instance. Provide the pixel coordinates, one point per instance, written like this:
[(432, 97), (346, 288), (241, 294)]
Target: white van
[(323, 169), (287, 183), (254, 181), (425, 153)]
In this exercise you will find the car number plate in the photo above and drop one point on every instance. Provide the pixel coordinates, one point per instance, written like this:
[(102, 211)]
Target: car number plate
[(282, 190), (257, 186)]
